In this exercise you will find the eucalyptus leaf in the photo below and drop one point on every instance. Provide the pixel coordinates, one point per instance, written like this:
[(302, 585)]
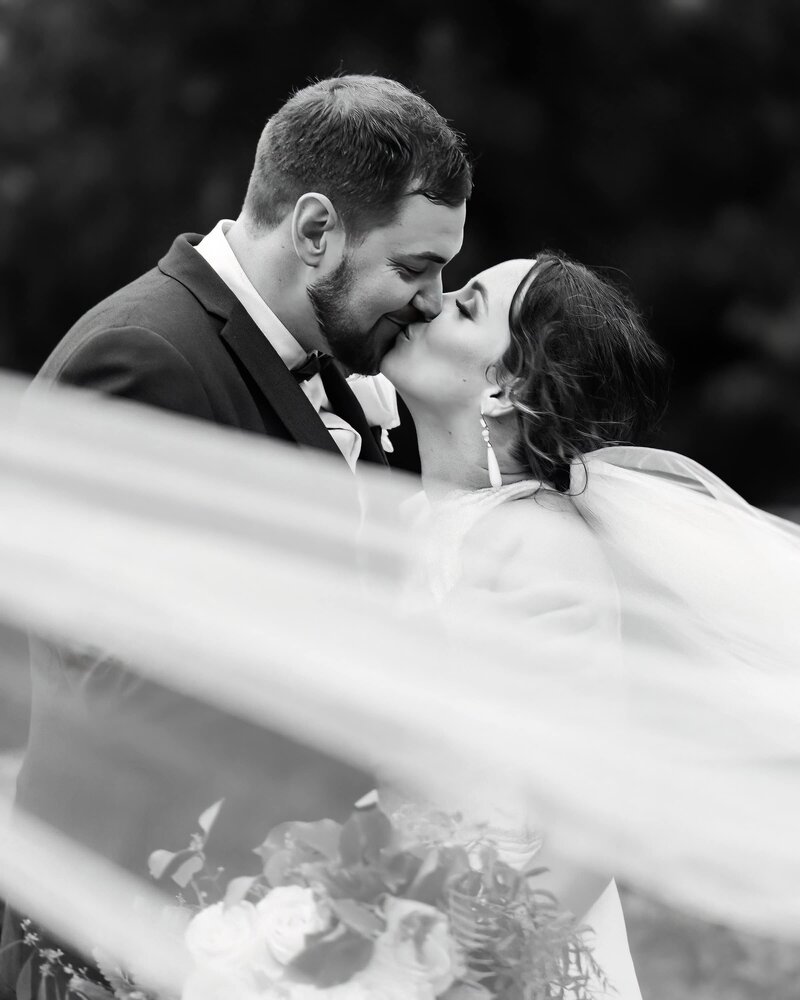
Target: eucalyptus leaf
[(207, 818), (359, 917), (439, 869), (399, 871), (158, 862), (364, 836), (276, 867), (238, 888), (429, 888), (359, 882), (467, 991), (187, 871), (535, 872), (119, 981), (322, 837), (84, 989), (307, 841), (174, 862)]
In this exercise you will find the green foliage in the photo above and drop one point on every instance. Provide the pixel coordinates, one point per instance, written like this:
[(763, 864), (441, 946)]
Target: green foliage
[(47, 975), (364, 836), (84, 989), (189, 867), (25, 980), (519, 945)]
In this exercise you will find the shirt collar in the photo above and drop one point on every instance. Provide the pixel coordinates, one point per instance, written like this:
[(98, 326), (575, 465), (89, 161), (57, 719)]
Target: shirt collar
[(218, 253)]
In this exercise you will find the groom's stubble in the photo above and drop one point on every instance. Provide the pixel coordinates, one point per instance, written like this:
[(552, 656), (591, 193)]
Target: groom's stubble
[(332, 301)]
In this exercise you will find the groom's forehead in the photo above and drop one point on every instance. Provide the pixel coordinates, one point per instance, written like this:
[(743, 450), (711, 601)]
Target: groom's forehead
[(425, 229)]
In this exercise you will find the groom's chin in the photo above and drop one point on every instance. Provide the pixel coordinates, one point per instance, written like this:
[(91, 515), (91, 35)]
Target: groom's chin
[(364, 357)]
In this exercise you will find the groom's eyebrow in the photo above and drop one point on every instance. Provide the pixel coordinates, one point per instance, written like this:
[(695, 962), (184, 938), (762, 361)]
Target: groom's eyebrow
[(428, 255)]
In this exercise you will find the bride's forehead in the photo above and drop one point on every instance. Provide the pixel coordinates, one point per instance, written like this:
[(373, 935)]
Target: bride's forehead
[(506, 276)]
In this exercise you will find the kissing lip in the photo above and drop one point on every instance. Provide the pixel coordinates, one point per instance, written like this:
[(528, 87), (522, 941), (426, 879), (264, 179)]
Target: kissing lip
[(402, 329)]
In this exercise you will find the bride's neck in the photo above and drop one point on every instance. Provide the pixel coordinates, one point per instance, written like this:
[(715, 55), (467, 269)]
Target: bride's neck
[(453, 455)]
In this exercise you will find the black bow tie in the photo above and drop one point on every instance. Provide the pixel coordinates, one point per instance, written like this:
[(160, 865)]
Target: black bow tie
[(311, 366)]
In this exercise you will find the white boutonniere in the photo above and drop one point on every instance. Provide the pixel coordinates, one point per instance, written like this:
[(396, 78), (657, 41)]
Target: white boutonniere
[(378, 399)]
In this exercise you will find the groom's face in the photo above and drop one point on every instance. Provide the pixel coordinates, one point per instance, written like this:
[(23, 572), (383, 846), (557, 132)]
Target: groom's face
[(387, 280)]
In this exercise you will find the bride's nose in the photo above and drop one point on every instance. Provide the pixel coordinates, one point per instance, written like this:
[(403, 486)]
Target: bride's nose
[(428, 300)]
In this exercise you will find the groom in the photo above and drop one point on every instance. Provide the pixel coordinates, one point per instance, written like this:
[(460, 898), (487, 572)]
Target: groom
[(355, 204)]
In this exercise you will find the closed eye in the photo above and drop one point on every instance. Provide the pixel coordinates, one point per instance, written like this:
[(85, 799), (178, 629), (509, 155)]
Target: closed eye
[(463, 309), (407, 271)]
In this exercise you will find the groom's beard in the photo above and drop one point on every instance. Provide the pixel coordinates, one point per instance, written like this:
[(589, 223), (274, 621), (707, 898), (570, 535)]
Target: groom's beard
[(357, 349)]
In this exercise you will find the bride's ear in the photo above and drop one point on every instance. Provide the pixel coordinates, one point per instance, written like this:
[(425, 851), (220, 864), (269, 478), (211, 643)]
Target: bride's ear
[(496, 402)]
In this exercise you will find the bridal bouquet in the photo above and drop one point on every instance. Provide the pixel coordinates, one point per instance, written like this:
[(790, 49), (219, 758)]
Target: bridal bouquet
[(359, 912)]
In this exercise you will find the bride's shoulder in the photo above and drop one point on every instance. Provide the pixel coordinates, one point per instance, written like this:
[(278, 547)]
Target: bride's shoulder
[(543, 529)]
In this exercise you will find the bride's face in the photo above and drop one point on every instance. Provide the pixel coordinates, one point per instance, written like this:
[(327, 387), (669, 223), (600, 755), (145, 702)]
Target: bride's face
[(442, 365)]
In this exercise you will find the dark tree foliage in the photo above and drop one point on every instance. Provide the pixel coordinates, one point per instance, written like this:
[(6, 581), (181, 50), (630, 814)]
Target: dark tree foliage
[(657, 137)]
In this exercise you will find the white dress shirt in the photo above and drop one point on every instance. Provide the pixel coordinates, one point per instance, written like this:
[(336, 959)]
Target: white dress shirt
[(216, 250)]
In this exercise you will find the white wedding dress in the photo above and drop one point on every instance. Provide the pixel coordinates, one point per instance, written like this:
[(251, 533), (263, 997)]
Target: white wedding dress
[(651, 561), (550, 593)]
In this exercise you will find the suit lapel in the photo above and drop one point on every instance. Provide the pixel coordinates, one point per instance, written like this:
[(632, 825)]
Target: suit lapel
[(184, 264), (276, 382), (260, 359), (345, 405)]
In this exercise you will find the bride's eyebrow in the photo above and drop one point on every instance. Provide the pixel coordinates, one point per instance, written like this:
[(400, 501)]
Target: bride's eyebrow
[(480, 288)]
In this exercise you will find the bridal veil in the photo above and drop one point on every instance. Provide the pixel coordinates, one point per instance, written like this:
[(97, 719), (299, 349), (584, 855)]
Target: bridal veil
[(234, 571)]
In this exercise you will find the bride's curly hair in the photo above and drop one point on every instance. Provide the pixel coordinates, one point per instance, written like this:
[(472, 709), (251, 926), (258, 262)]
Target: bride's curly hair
[(581, 370)]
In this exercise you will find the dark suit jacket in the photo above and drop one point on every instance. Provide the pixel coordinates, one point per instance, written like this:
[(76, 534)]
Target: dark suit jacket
[(179, 339), (125, 766)]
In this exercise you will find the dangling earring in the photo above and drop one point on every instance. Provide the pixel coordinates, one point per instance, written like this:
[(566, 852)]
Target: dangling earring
[(495, 476)]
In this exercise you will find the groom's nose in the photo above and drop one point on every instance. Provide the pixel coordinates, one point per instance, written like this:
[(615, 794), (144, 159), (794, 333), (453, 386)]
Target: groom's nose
[(428, 300)]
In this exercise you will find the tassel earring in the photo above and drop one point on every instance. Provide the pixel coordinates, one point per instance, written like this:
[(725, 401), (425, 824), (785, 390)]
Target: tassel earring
[(495, 476)]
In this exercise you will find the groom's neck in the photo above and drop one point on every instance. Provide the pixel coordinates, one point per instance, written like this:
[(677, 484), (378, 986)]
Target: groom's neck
[(268, 260)]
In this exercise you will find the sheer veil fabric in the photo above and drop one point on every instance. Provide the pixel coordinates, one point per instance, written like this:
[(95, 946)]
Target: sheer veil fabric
[(234, 571)]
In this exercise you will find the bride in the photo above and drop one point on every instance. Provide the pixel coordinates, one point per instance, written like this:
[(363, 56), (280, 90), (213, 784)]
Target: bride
[(560, 556), (525, 392)]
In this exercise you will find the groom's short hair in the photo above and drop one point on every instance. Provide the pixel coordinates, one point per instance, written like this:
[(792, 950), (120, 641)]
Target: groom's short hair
[(364, 142)]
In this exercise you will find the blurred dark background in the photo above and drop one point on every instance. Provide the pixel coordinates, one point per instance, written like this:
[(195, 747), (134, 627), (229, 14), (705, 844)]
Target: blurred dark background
[(657, 137)]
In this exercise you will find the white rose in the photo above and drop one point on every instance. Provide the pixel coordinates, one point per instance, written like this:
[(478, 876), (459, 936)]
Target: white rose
[(382, 982), (211, 984), (285, 916), (398, 964), (353, 990), (227, 939)]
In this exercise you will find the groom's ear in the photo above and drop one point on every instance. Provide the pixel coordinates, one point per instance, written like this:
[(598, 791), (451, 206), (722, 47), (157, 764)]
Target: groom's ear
[(496, 402), (315, 228)]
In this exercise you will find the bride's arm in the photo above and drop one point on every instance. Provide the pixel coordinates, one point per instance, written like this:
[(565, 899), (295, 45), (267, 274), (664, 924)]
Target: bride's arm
[(534, 566), (576, 888)]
